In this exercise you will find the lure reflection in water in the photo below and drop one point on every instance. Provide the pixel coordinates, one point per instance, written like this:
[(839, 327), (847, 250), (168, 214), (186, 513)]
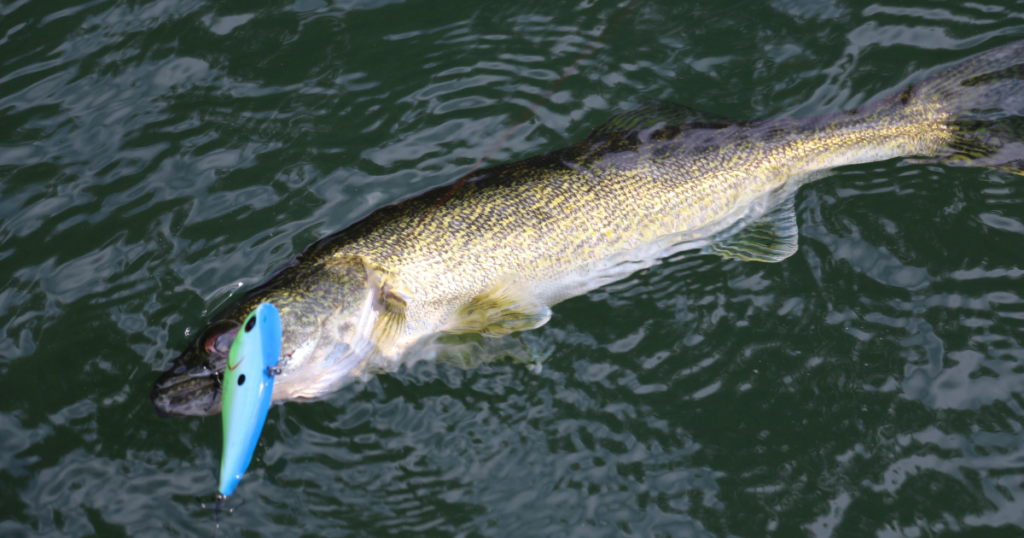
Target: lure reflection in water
[(495, 255)]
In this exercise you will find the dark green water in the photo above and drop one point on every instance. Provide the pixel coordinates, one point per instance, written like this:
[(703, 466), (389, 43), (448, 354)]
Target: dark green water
[(158, 156)]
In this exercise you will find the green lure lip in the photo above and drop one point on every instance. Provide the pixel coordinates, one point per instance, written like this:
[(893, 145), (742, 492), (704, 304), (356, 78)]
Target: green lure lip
[(248, 386)]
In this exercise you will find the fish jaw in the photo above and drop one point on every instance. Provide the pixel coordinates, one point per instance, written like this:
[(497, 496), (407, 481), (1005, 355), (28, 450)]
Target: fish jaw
[(181, 391), (191, 386)]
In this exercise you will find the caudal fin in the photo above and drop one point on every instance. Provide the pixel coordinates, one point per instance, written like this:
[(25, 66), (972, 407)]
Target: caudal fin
[(984, 99)]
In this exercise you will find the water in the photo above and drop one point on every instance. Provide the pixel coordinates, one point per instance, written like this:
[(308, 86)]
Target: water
[(157, 157)]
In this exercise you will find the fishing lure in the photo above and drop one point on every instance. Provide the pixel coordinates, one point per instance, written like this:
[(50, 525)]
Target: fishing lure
[(248, 384)]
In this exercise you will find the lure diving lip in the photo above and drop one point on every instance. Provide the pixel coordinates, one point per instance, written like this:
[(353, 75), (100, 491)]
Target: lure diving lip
[(247, 387)]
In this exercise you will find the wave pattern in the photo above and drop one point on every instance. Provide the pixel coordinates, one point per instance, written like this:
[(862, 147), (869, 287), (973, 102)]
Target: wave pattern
[(159, 156)]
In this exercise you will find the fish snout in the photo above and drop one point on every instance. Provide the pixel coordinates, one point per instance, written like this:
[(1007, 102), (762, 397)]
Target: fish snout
[(185, 390)]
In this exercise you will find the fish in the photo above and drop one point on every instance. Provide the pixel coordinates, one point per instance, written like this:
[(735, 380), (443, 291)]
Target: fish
[(492, 254)]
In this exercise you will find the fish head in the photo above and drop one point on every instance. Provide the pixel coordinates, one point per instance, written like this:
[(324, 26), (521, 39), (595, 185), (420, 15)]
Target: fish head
[(327, 306)]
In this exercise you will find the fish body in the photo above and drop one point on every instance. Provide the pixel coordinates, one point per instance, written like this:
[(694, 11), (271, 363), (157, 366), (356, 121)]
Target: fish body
[(247, 388), (494, 255)]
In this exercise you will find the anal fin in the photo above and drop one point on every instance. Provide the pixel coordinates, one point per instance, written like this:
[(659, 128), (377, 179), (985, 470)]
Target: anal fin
[(509, 306), (772, 238)]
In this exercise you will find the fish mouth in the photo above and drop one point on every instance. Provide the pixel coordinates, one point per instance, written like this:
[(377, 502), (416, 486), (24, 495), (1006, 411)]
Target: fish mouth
[(184, 392), (192, 385), (175, 395)]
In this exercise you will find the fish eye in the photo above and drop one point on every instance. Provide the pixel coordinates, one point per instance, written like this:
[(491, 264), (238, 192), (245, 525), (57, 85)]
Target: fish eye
[(223, 343), (241, 379), (250, 324), (219, 343)]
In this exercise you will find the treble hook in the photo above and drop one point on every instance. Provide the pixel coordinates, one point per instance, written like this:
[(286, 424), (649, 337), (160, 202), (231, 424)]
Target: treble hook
[(220, 501)]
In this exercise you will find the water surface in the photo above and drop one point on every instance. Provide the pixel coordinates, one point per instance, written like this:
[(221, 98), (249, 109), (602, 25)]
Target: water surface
[(159, 157)]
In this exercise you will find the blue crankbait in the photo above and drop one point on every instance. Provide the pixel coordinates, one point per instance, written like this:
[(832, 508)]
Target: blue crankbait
[(248, 384), (247, 387)]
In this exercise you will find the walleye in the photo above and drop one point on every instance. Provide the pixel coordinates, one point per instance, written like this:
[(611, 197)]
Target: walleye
[(495, 255)]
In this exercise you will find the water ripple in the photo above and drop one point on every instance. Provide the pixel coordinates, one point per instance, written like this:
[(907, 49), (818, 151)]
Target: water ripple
[(159, 157)]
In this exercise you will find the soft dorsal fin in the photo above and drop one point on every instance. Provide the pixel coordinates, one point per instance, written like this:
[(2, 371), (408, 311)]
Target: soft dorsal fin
[(771, 238), (651, 112), (509, 306)]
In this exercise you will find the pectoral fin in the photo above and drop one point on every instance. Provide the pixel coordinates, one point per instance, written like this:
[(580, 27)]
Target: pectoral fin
[(507, 307), (772, 238), (391, 320)]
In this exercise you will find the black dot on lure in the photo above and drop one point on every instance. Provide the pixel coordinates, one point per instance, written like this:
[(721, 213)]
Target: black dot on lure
[(250, 324), (241, 379)]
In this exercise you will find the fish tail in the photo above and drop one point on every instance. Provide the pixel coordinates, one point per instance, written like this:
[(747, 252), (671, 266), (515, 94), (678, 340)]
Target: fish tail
[(982, 101)]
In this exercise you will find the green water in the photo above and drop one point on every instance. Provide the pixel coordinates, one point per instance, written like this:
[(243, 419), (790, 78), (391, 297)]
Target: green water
[(157, 157)]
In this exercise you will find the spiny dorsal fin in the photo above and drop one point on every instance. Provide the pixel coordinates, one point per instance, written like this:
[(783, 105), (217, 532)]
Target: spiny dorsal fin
[(652, 112), (509, 306), (772, 238)]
